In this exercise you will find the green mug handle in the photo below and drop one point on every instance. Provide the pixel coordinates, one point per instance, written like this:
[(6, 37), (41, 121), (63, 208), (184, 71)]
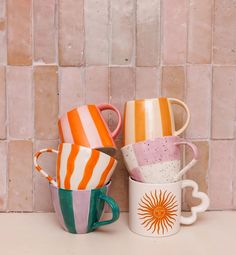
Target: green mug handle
[(114, 208)]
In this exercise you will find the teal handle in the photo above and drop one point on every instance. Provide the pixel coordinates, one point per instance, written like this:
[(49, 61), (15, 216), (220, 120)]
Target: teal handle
[(114, 208)]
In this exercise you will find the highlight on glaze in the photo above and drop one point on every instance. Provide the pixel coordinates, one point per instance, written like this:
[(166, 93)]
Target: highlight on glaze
[(158, 212)]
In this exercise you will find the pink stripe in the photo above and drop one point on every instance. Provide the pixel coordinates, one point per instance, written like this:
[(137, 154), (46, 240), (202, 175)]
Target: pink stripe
[(56, 205), (157, 151), (81, 204), (136, 175), (65, 126), (89, 127)]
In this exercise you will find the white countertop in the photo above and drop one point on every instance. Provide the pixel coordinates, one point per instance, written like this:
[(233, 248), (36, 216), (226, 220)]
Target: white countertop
[(40, 234)]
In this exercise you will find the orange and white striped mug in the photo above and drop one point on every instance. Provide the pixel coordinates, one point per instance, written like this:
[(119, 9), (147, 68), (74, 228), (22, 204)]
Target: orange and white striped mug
[(86, 126), (79, 167), (151, 118)]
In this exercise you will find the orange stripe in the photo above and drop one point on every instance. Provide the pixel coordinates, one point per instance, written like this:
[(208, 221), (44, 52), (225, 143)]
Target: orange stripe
[(100, 125), (49, 178), (59, 165), (77, 130), (140, 120), (61, 132), (105, 173), (37, 154), (88, 171), (165, 117), (49, 150), (70, 165), (38, 168)]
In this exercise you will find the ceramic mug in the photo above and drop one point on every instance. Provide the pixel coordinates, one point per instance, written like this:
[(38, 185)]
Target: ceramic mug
[(79, 167), (158, 160), (80, 211), (150, 118), (155, 209), (86, 126)]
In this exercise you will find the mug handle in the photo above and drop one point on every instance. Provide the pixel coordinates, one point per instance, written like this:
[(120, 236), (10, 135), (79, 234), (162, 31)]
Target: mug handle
[(103, 107), (202, 207), (115, 211), (39, 168), (192, 162), (180, 103)]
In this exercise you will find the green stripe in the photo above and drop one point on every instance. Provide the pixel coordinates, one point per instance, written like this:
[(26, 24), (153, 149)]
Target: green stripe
[(66, 203), (96, 207)]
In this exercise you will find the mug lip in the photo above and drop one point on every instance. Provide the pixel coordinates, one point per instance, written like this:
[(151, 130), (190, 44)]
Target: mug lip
[(131, 180), (79, 190), (171, 137), (145, 99), (87, 149)]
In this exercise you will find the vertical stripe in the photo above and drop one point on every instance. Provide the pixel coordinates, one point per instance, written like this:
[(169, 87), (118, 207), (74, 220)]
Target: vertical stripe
[(71, 165), (165, 116), (89, 169), (101, 126), (77, 129), (96, 207), (90, 127), (106, 172), (150, 124), (157, 124), (66, 203), (65, 152), (81, 202), (129, 123), (56, 205), (65, 129), (172, 120), (140, 120), (59, 165), (60, 131)]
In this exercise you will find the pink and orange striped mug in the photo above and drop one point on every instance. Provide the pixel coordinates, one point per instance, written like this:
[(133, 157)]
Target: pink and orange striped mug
[(86, 126), (79, 167), (151, 118)]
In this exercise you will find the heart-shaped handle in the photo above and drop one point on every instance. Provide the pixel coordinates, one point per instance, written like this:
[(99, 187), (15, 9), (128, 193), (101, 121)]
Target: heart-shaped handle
[(195, 209)]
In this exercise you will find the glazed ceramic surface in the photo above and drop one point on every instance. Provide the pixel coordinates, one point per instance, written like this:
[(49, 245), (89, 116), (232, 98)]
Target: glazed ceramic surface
[(79, 167), (151, 118), (158, 160), (155, 209), (80, 211), (86, 126)]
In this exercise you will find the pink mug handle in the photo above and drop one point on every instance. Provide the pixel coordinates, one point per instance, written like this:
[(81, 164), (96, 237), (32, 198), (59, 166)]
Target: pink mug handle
[(103, 107), (192, 162)]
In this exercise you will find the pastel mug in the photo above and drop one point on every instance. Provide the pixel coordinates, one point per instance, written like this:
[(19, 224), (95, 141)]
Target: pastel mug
[(86, 126), (80, 211), (155, 209), (150, 118), (158, 160), (79, 167)]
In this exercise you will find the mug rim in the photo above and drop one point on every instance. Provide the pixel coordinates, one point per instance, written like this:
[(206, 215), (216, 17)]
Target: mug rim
[(87, 149), (79, 190), (131, 180), (146, 99), (154, 140)]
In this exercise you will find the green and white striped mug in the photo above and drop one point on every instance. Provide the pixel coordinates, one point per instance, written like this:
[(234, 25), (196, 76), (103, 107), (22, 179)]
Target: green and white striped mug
[(80, 211)]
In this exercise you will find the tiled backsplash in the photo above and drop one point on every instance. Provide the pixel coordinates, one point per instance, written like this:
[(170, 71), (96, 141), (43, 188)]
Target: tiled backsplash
[(57, 54)]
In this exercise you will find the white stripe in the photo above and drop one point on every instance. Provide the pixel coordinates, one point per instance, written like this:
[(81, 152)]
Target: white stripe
[(171, 117), (79, 167), (157, 119), (65, 153)]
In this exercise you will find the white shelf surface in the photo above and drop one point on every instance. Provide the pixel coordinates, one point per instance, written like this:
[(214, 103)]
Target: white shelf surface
[(40, 234)]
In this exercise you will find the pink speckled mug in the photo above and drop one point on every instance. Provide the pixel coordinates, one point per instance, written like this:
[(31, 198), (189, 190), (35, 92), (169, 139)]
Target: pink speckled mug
[(158, 160)]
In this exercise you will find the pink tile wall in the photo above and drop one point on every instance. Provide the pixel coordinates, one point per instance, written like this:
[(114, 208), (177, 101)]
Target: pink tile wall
[(59, 54)]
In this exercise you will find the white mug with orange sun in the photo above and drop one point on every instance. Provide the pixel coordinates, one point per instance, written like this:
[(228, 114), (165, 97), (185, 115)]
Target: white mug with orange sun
[(155, 209)]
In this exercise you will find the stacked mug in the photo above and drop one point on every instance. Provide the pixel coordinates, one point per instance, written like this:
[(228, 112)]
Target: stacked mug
[(85, 164), (152, 154)]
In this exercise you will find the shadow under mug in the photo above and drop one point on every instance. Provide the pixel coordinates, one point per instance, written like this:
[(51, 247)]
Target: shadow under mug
[(150, 118), (86, 126), (80, 211), (158, 160), (155, 209)]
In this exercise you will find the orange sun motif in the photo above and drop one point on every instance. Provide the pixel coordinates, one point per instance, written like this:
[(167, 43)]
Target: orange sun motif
[(158, 212)]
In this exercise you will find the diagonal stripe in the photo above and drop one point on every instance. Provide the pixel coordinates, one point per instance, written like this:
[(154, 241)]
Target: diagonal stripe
[(65, 129), (59, 165), (139, 120), (101, 126), (88, 171), (71, 165), (60, 131), (106, 172), (77, 129), (165, 116)]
